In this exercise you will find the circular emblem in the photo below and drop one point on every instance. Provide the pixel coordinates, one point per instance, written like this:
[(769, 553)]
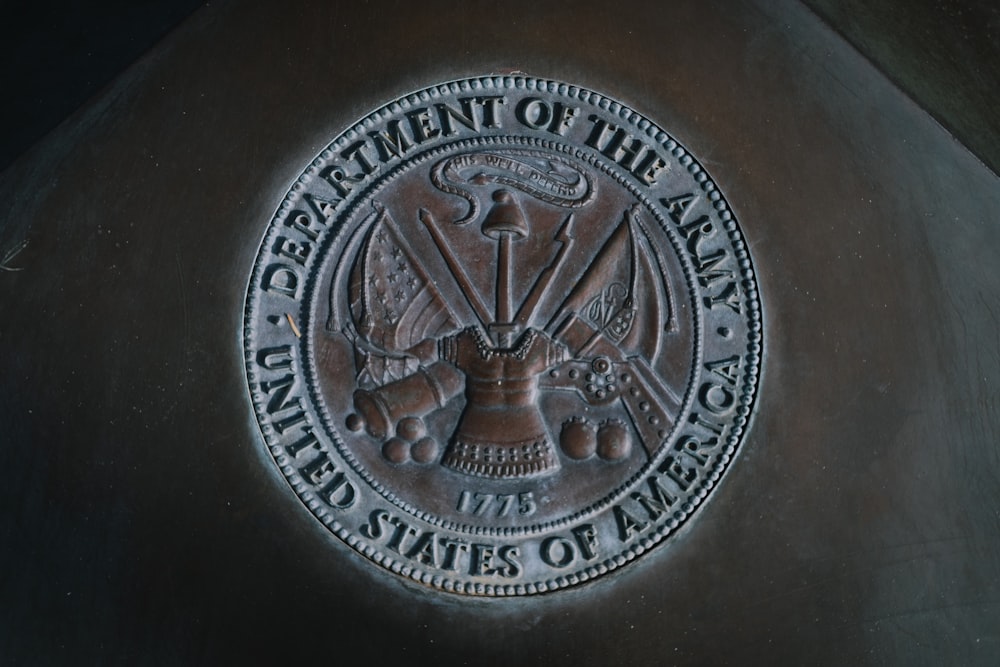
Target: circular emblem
[(503, 336)]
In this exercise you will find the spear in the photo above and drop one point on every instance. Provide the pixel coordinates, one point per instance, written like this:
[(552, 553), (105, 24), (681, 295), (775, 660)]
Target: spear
[(465, 286)]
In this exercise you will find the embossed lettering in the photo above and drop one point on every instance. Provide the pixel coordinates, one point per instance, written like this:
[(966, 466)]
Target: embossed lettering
[(725, 368), (510, 555), (297, 251), (557, 551), (682, 475), (453, 550), (373, 529), (421, 125), (706, 269), (275, 358), (695, 231), (391, 142), (716, 398), (357, 152), (627, 524), (496, 327), (283, 425), (281, 279), (279, 400), (479, 504), (657, 501), (481, 559), (309, 225), (699, 451), (430, 549), (319, 470), (307, 441), (586, 540), (337, 491), (467, 115), (424, 550), (616, 143), (323, 209), (342, 182), (401, 531), (700, 420), (491, 110), (728, 297), (679, 206), (526, 503), (538, 114)]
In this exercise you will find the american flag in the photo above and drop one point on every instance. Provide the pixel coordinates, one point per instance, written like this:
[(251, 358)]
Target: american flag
[(394, 303)]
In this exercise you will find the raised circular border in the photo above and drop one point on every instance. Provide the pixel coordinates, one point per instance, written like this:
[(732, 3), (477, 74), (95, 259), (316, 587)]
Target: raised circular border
[(751, 298)]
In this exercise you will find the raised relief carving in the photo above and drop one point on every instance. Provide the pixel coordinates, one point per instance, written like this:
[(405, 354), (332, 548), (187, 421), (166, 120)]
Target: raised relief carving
[(503, 336), (414, 353)]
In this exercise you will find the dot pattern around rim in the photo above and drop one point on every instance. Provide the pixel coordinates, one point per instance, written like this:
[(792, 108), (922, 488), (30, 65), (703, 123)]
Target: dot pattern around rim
[(748, 386)]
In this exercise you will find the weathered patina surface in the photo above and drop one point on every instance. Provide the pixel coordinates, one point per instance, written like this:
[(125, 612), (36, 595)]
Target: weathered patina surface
[(503, 336), (144, 519)]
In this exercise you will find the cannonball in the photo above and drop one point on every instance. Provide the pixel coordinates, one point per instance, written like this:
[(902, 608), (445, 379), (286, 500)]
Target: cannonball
[(578, 439), (613, 441), (396, 450), (411, 429), (424, 450), (355, 422)]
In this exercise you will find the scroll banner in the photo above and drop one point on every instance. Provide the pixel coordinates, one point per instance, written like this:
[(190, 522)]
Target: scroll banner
[(548, 178)]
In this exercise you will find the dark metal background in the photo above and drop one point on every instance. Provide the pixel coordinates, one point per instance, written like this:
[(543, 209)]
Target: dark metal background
[(55, 55), (141, 522)]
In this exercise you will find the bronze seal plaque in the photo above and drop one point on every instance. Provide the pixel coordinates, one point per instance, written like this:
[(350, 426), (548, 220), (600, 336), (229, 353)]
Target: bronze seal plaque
[(503, 336)]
